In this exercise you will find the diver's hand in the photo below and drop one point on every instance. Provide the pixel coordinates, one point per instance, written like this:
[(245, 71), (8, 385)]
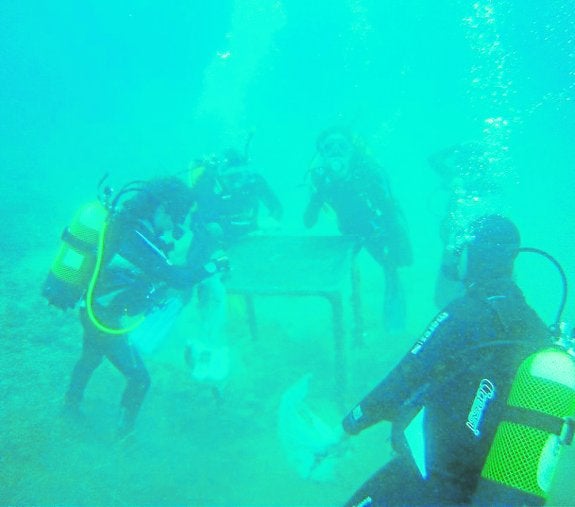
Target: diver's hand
[(222, 263), (181, 236), (337, 445), (325, 458), (219, 263), (268, 225)]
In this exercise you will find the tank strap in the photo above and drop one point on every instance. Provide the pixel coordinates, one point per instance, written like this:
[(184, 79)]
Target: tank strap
[(76, 242), (562, 427)]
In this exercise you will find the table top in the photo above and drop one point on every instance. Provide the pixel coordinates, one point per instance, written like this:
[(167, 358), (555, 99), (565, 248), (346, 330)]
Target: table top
[(296, 265)]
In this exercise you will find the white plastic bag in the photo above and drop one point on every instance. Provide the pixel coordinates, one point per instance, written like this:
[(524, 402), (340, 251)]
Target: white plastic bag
[(309, 442)]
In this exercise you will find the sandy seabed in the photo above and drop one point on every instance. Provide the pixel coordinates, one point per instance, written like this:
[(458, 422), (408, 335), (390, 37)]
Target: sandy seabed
[(189, 448)]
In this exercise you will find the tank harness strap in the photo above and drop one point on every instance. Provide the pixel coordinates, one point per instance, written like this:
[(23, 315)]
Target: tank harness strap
[(76, 242), (562, 427)]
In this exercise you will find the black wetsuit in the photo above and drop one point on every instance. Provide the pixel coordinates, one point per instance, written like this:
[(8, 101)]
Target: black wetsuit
[(474, 345), (365, 208), (134, 279), (233, 201), (367, 211)]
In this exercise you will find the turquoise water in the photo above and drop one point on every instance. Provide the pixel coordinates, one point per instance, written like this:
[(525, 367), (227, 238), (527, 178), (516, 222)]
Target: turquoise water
[(143, 88)]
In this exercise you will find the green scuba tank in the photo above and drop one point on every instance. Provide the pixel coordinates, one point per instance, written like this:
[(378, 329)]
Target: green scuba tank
[(521, 462), (74, 264)]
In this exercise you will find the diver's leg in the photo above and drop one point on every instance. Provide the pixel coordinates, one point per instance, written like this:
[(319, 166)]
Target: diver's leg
[(91, 358), (212, 305), (208, 353), (398, 483), (124, 356), (394, 308)]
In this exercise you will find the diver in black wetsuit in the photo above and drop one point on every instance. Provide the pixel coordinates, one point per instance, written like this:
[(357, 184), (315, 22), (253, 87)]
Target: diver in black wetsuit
[(135, 278), (470, 351), (230, 196), (346, 179), (472, 185)]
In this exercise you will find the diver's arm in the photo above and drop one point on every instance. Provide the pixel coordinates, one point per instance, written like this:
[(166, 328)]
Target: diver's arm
[(139, 249), (268, 197), (444, 161), (437, 160), (407, 380), (312, 210), (384, 401)]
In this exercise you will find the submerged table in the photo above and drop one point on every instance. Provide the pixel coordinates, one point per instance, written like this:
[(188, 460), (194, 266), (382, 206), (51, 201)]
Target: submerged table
[(298, 266)]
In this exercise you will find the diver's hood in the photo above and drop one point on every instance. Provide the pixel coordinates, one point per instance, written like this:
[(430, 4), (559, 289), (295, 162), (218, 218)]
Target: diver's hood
[(493, 244)]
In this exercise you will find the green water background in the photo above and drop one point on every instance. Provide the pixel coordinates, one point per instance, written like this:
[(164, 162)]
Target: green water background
[(143, 88)]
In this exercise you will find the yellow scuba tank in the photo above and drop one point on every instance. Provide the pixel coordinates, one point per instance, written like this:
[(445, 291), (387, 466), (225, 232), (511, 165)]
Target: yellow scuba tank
[(539, 420), (74, 264), (195, 173)]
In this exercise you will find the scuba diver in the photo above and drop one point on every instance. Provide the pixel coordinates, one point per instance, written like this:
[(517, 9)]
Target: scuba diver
[(472, 189), (132, 277), (454, 381), (229, 197), (230, 194), (346, 179)]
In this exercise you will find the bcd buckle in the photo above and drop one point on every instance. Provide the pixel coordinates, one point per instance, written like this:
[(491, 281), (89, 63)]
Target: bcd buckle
[(567, 431)]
